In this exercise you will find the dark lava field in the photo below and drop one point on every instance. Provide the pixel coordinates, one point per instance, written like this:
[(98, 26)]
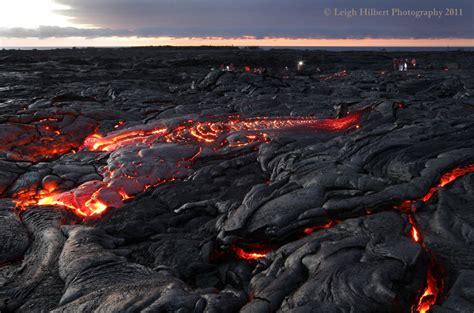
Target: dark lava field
[(218, 180)]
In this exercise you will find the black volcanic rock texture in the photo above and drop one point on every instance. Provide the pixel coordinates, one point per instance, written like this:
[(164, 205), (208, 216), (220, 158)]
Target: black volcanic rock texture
[(149, 180)]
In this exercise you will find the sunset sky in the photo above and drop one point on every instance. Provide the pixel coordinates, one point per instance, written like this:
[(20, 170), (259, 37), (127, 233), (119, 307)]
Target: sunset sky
[(236, 22)]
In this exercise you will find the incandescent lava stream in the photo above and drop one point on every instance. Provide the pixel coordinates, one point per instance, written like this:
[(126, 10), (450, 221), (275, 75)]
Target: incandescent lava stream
[(175, 149)]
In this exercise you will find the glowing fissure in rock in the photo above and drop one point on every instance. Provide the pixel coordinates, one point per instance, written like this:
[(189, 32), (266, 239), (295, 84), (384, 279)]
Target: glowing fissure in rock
[(433, 285), (430, 294), (252, 253), (123, 179), (312, 229), (444, 180), (414, 232)]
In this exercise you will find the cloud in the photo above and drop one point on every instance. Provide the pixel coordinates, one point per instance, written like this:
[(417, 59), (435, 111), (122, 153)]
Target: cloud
[(58, 32), (259, 18)]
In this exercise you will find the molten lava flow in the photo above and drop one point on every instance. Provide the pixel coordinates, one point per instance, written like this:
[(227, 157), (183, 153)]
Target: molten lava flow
[(114, 141), (430, 294), (254, 252), (210, 132), (122, 182), (433, 286), (446, 179)]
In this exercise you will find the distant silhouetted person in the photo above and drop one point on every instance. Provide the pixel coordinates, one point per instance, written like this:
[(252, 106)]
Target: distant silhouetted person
[(396, 64), (400, 65), (413, 63), (286, 73), (341, 110), (300, 66)]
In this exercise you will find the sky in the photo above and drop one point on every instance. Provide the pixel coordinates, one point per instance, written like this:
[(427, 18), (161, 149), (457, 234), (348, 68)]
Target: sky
[(236, 22)]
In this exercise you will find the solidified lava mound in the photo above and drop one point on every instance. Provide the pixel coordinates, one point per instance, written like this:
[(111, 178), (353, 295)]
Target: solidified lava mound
[(149, 180)]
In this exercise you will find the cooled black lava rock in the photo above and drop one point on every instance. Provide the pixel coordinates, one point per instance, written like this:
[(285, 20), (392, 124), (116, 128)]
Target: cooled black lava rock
[(358, 218)]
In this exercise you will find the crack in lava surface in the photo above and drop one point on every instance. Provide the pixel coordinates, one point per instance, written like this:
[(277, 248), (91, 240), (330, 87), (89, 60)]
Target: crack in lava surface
[(434, 283)]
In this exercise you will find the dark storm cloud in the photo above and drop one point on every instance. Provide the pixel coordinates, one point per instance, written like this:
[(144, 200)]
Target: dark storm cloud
[(260, 18)]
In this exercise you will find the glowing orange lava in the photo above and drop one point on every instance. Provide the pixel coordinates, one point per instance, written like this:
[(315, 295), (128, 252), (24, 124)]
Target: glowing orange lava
[(94, 197), (414, 232), (446, 179), (110, 143), (430, 294), (210, 132), (256, 252), (433, 286), (431, 291), (310, 230)]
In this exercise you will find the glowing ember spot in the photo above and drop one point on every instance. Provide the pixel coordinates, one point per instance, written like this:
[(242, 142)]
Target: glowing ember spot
[(254, 253)]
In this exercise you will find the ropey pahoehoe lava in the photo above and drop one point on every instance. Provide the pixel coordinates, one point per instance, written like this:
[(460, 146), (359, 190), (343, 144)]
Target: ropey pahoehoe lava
[(148, 180)]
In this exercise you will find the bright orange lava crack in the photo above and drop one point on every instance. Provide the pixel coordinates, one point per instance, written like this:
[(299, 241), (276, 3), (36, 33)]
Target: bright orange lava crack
[(312, 229), (430, 294), (94, 197), (433, 287), (446, 179), (253, 253)]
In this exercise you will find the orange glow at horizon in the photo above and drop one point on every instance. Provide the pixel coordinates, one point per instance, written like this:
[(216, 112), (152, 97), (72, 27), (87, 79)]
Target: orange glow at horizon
[(242, 41)]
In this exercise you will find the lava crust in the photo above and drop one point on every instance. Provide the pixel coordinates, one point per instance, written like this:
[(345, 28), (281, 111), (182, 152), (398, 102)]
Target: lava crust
[(147, 179)]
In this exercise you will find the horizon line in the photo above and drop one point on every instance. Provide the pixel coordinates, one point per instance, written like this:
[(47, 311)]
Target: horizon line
[(242, 42)]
